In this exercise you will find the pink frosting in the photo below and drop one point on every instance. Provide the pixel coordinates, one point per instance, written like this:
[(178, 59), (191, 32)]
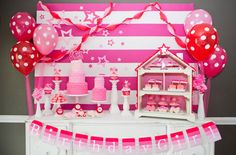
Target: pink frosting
[(99, 94), (77, 84), (99, 82)]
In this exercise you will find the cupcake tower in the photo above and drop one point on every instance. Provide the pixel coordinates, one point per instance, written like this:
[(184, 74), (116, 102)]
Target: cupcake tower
[(126, 93)]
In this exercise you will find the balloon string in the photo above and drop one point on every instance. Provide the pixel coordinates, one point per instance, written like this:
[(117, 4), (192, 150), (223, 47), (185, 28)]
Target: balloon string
[(207, 95), (28, 96)]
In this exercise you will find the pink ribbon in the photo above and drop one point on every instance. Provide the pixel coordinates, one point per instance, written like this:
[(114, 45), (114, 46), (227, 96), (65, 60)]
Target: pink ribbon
[(98, 27)]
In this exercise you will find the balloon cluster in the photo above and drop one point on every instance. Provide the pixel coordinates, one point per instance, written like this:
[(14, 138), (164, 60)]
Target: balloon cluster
[(25, 54), (202, 43)]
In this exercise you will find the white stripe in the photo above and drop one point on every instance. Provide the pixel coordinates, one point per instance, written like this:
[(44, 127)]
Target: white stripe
[(152, 17), (130, 43), (124, 69), (87, 99)]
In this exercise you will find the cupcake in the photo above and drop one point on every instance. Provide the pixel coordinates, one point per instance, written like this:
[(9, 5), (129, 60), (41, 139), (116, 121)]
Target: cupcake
[(126, 90), (47, 89)]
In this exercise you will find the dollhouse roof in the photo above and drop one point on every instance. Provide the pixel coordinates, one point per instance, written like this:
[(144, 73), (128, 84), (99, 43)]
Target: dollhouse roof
[(168, 54)]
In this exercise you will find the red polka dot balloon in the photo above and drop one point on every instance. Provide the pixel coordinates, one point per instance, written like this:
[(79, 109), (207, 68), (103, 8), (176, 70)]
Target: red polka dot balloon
[(22, 26), (215, 63), (201, 41), (24, 57)]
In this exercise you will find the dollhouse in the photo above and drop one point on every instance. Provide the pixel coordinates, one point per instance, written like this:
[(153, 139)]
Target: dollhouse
[(165, 87)]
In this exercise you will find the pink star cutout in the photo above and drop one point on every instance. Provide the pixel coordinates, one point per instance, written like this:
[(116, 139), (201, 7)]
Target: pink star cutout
[(105, 33), (120, 32), (85, 51), (102, 61), (90, 16), (110, 42), (92, 58), (163, 49)]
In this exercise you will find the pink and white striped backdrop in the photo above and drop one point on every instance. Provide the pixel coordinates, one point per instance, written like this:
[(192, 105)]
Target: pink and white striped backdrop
[(123, 48)]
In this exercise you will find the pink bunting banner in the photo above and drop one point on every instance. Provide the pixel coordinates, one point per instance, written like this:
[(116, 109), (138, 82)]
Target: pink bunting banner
[(194, 136), (112, 145), (145, 145), (80, 142), (162, 143), (65, 139), (211, 131), (128, 146), (178, 141)]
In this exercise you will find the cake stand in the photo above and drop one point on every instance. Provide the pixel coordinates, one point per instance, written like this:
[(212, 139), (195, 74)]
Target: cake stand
[(114, 109), (76, 96), (126, 111)]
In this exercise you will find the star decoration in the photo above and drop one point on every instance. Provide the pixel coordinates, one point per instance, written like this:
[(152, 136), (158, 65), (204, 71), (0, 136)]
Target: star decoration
[(92, 58), (85, 51), (90, 16), (105, 33), (163, 49), (66, 33), (119, 59), (81, 7), (122, 43), (110, 42), (90, 66), (42, 16), (120, 32), (102, 61)]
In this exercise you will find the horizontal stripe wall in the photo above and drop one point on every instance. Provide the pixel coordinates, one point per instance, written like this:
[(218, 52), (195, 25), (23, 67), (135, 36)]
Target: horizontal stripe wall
[(124, 48)]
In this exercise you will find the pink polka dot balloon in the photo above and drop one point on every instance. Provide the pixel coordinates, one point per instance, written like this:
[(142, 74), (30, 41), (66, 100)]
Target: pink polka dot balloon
[(22, 26), (201, 41), (197, 17), (45, 38), (215, 63)]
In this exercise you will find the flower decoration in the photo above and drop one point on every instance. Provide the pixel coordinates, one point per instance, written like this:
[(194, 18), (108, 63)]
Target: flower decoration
[(37, 94), (199, 83)]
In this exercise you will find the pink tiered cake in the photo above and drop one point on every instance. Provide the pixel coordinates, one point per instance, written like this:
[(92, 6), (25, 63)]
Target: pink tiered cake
[(99, 92), (77, 84)]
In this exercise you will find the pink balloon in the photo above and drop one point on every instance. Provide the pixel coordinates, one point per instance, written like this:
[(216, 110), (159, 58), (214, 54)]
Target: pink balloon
[(215, 63), (22, 26), (45, 38), (197, 17)]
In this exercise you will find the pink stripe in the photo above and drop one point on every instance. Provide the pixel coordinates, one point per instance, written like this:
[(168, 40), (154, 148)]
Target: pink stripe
[(128, 140), (195, 129), (128, 30), (90, 106), (41, 81), (145, 139), (117, 7), (135, 56)]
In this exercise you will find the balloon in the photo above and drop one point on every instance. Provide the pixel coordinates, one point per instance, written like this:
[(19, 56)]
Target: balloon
[(45, 38), (215, 63), (197, 17), (24, 56), (201, 41), (22, 26)]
